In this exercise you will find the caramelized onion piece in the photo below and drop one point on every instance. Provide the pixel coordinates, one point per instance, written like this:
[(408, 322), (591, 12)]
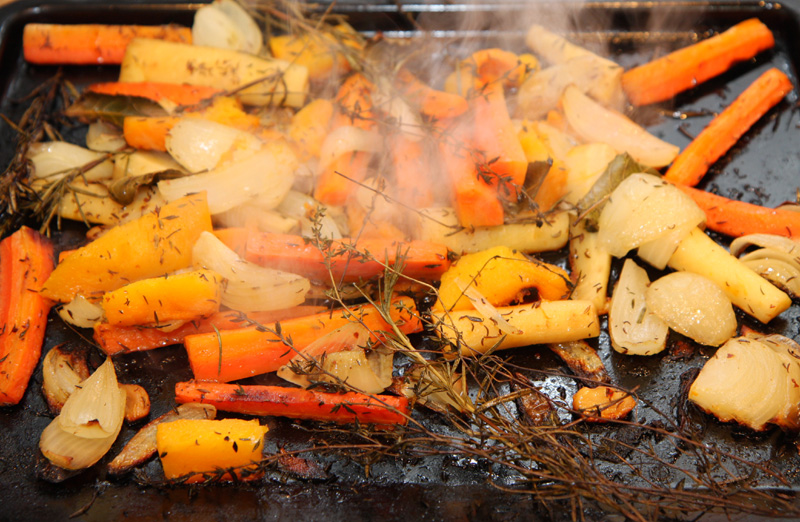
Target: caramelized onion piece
[(142, 446), (137, 402), (603, 402), (62, 372), (693, 306), (69, 450), (81, 312), (752, 380), (633, 328), (93, 410), (344, 355)]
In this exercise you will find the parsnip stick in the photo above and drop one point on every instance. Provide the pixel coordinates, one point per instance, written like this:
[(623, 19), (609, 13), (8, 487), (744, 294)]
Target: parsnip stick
[(590, 266), (539, 323), (274, 82), (523, 237), (756, 296), (607, 85)]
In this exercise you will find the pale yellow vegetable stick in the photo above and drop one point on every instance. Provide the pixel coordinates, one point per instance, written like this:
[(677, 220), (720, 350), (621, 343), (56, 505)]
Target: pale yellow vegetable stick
[(539, 323), (159, 61), (756, 296), (439, 225), (591, 267)]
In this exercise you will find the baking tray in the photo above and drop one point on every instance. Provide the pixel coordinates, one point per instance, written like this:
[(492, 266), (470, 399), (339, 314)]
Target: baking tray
[(763, 168)]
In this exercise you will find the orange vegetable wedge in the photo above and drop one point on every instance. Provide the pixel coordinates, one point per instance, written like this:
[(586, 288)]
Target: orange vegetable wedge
[(153, 245)]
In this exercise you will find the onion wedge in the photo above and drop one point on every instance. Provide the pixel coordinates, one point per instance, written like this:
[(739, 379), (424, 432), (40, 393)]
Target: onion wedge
[(248, 287), (62, 372), (751, 380), (633, 328), (93, 411), (89, 423), (644, 208), (693, 306)]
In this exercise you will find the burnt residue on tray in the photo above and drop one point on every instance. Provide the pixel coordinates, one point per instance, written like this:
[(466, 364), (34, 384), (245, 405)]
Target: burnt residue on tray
[(763, 168)]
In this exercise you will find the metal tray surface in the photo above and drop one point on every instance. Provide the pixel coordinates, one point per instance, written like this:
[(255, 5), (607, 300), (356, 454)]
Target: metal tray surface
[(763, 169)]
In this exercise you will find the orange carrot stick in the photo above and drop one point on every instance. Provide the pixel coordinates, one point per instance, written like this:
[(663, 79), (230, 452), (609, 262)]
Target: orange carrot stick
[(737, 218), (178, 93), (663, 78), (229, 355), (474, 199), (501, 159), (90, 43), (26, 260), (432, 103), (727, 127), (297, 403), (354, 102), (345, 260), (336, 181), (411, 172), (123, 339), (353, 108), (148, 133)]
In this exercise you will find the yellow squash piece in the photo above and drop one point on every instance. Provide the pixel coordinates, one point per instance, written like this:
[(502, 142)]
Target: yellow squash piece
[(159, 300), (200, 449), (155, 244), (501, 275)]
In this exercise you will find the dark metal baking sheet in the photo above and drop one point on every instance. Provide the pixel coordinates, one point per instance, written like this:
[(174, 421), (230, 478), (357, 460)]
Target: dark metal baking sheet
[(764, 168)]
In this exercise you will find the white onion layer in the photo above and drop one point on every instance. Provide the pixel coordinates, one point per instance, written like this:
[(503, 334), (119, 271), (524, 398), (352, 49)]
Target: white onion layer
[(248, 287)]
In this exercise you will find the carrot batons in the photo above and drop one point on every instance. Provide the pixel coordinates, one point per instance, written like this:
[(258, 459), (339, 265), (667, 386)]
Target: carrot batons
[(122, 339), (297, 403), (153, 245), (194, 450), (159, 300), (343, 259), (26, 260), (501, 158), (90, 43), (228, 355), (177, 93), (737, 218), (726, 128), (663, 78)]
